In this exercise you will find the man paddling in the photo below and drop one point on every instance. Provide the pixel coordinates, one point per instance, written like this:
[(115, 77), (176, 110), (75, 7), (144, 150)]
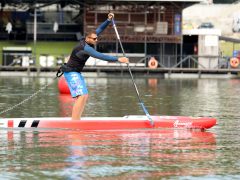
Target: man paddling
[(72, 70)]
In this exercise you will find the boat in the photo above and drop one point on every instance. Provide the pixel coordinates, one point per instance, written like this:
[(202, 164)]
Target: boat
[(110, 123)]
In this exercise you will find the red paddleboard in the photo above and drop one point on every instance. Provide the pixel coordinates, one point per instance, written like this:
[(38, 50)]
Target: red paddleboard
[(103, 123)]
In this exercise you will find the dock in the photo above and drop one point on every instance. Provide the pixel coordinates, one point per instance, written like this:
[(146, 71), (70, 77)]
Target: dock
[(121, 70)]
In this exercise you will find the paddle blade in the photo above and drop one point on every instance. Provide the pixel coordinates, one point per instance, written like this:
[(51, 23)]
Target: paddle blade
[(147, 114)]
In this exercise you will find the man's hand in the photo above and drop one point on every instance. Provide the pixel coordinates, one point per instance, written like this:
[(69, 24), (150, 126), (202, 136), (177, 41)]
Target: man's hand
[(123, 60), (110, 16)]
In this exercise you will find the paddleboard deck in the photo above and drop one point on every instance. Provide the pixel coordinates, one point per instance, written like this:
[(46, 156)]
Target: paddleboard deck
[(103, 123)]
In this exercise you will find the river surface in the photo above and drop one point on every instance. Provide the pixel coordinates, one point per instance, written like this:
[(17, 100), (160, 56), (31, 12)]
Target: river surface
[(123, 154)]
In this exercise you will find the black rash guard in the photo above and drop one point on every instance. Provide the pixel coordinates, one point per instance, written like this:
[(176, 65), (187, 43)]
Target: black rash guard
[(83, 51)]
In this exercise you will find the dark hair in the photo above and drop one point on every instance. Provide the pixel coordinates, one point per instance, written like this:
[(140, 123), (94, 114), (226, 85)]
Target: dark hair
[(90, 33)]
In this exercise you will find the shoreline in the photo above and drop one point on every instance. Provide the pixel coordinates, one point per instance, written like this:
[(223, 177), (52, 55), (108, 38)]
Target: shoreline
[(165, 75)]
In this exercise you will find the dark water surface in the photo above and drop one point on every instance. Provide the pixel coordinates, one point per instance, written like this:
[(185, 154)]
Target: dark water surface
[(125, 154)]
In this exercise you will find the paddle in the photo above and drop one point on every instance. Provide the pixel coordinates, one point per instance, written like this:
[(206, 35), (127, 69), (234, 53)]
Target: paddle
[(139, 99)]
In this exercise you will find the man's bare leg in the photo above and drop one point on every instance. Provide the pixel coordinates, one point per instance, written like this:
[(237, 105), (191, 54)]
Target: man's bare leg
[(79, 106)]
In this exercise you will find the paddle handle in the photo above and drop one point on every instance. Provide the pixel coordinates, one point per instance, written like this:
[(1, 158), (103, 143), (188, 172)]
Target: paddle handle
[(129, 69)]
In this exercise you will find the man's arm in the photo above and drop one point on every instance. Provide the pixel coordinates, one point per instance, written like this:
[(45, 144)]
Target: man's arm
[(103, 26), (92, 52)]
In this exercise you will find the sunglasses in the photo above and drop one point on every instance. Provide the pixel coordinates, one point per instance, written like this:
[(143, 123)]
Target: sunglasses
[(94, 38)]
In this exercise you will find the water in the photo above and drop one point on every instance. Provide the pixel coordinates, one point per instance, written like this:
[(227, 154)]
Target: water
[(125, 154)]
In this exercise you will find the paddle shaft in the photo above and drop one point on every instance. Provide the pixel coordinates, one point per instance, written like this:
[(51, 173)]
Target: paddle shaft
[(130, 72)]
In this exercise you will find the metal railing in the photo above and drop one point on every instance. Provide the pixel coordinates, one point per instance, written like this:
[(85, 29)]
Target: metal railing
[(164, 61), (189, 61)]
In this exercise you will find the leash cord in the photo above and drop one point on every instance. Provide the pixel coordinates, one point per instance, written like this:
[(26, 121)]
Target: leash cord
[(31, 96)]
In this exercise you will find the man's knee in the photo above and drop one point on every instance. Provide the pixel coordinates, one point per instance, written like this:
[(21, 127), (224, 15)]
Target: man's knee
[(85, 96)]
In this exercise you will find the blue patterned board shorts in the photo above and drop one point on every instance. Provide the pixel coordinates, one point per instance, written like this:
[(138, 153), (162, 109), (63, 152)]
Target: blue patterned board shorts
[(76, 83)]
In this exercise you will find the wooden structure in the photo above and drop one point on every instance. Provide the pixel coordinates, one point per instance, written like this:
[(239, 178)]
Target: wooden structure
[(151, 27), (147, 27), (139, 24)]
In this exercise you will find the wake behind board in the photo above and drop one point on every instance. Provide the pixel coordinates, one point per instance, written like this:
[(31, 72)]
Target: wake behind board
[(109, 123)]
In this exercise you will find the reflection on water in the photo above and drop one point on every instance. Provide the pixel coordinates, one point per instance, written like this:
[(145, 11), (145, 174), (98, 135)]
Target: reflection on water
[(124, 154), (135, 154), (65, 104)]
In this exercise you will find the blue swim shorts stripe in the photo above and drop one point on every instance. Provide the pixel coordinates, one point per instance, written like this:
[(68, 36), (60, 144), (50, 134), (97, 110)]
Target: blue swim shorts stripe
[(76, 83)]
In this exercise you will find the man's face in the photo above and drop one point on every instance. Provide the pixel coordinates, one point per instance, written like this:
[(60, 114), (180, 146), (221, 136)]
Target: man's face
[(92, 39)]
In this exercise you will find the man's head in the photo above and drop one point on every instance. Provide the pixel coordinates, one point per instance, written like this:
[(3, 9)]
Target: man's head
[(91, 38)]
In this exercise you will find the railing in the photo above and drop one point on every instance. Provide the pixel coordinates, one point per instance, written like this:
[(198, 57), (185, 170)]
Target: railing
[(189, 61), (167, 62)]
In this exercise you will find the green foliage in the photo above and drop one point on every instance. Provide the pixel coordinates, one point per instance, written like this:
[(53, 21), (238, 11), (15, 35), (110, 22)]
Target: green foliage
[(43, 47)]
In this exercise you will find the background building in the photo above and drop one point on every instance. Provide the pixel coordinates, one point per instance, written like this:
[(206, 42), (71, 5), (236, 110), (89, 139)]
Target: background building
[(146, 26)]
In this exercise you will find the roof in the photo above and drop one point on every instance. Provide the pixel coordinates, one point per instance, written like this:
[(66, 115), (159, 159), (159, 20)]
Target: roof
[(90, 1), (158, 0), (229, 39), (30, 4), (190, 32)]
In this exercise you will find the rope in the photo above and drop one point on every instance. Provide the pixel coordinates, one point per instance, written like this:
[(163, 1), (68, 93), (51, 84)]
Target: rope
[(59, 74)]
